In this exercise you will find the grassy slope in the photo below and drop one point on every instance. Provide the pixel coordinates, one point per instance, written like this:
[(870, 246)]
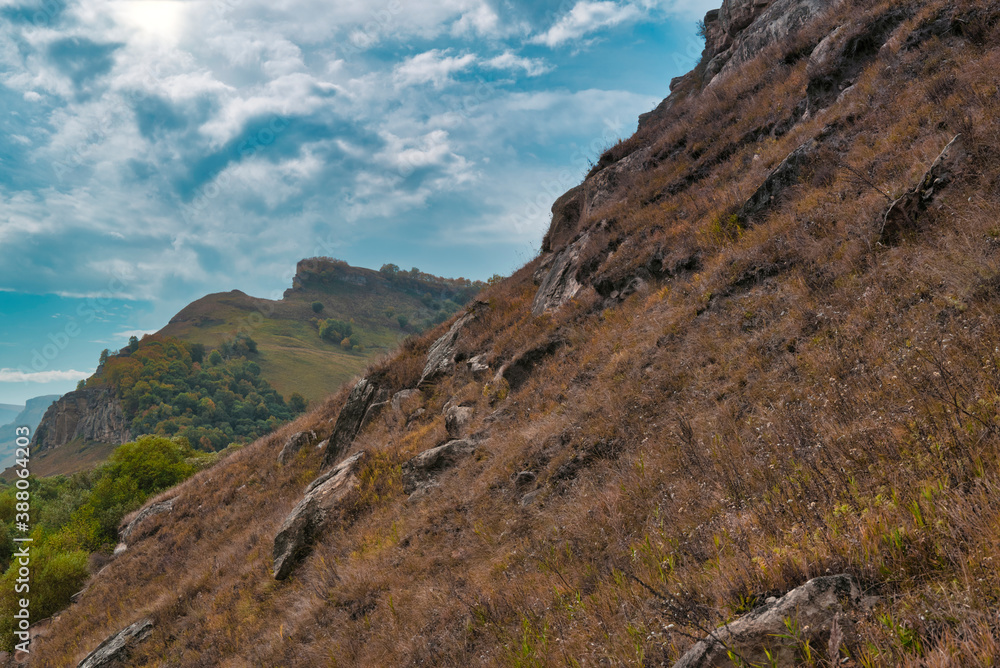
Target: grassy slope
[(806, 402)]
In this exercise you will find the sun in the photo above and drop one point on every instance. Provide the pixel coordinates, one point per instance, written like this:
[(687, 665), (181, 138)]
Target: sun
[(160, 19)]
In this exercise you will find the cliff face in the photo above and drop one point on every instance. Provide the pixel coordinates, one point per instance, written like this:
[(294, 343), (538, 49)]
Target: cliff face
[(92, 414)]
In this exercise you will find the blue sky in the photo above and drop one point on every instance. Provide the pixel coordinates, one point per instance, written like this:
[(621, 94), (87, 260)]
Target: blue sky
[(153, 151)]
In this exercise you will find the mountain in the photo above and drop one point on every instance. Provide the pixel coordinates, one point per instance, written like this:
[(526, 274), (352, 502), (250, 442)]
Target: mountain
[(327, 327), (8, 412), (29, 416), (744, 408), (293, 355)]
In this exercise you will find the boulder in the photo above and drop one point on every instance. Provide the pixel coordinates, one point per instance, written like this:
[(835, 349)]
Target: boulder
[(115, 650), (478, 364), (903, 214), (295, 537), (295, 442), (352, 417), (441, 355), (560, 281), (605, 186), (517, 371), (566, 214), (821, 608), (457, 419), (780, 179), (152, 509), (421, 472)]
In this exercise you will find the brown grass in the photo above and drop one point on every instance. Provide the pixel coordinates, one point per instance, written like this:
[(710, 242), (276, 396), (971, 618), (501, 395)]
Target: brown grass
[(805, 402)]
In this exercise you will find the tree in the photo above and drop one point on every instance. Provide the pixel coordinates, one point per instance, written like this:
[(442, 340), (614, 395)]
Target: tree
[(317, 307), (297, 403), (133, 343), (215, 359), (345, 343), (389, 270), (403, 321), (197, 352)]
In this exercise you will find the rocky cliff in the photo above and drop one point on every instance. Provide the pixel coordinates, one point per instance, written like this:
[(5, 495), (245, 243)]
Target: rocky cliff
[(90, 415)]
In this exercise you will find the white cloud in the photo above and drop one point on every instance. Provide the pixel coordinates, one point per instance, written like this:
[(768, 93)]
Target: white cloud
[(508, 61), (434, 67), (586, 17), (16, 376)]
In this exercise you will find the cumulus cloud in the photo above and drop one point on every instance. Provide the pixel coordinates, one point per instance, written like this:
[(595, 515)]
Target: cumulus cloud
[(16, 376), (434, 67), (586, 17)]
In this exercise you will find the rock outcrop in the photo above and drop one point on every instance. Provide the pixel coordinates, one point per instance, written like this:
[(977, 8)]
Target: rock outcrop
[(367, 393), (420, 473), (519, 369), (821, 608), (151, 510), (780, 179), (558, 277), (903, 214), (441, 356), (115, 650), (91, 414), (297, 533), (457, 419), (294, 444)]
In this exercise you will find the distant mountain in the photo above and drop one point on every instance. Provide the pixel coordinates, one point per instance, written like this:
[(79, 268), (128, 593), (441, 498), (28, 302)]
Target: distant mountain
[(323, 332), (8, 412), (29, 415), (380, 307)]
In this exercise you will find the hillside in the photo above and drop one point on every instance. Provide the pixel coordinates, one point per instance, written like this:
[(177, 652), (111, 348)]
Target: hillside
[(380, 308), (293, 356), (752, 380)]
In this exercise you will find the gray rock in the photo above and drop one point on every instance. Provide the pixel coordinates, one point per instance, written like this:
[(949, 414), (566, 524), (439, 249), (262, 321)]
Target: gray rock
[(456, 419), (816, 607), (401, 398), (524, 478), (125, 533), (478, 365), (781, 178), (295, 537), (530, 497), (518, 370), (566, 214), (352, 417), (903, 214), (421, 471), (441, 356), (116, 649), (295, 442), (90, 414), (605, 186), (560, 283)]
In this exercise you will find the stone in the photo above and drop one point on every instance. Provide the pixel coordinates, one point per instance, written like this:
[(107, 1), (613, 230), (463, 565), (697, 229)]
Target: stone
[(524, 478), (530, 497), (116, 649), (295, 538), (152, 509), (566, 214), (421, 471), (605, 186), (295, 442), (457, 419), (352, 417), (441, 355), (478, 364), (560, 283), (821, 607), (517, 371), (903, 214), (402, 397), (91, 414), (781, 178)]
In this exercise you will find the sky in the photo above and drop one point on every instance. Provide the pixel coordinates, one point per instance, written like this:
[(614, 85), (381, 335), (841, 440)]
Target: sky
[(154, 151)]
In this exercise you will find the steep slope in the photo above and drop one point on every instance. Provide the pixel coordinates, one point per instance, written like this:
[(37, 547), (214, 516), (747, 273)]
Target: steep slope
[(759, 347)]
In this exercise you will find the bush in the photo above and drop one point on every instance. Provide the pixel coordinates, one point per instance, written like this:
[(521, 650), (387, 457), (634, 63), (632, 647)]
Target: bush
[(317, 307)]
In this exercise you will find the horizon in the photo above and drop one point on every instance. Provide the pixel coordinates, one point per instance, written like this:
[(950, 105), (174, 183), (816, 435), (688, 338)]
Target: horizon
[(158, 151)]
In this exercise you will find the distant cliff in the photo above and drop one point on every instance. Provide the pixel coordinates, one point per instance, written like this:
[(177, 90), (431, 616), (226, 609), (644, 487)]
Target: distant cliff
[(92, 414), (29, 417)]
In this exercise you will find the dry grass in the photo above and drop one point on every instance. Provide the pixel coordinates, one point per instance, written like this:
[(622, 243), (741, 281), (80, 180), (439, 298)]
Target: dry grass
[(804, 402)]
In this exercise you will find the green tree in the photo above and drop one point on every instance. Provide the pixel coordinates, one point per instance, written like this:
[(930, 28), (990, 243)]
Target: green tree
[(215, 359), (297, 403), (403, 321), (317, 307), (133, 343)]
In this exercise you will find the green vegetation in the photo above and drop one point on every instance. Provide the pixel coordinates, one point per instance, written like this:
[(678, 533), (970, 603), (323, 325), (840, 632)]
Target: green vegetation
[(79, 515), (164, 391)]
